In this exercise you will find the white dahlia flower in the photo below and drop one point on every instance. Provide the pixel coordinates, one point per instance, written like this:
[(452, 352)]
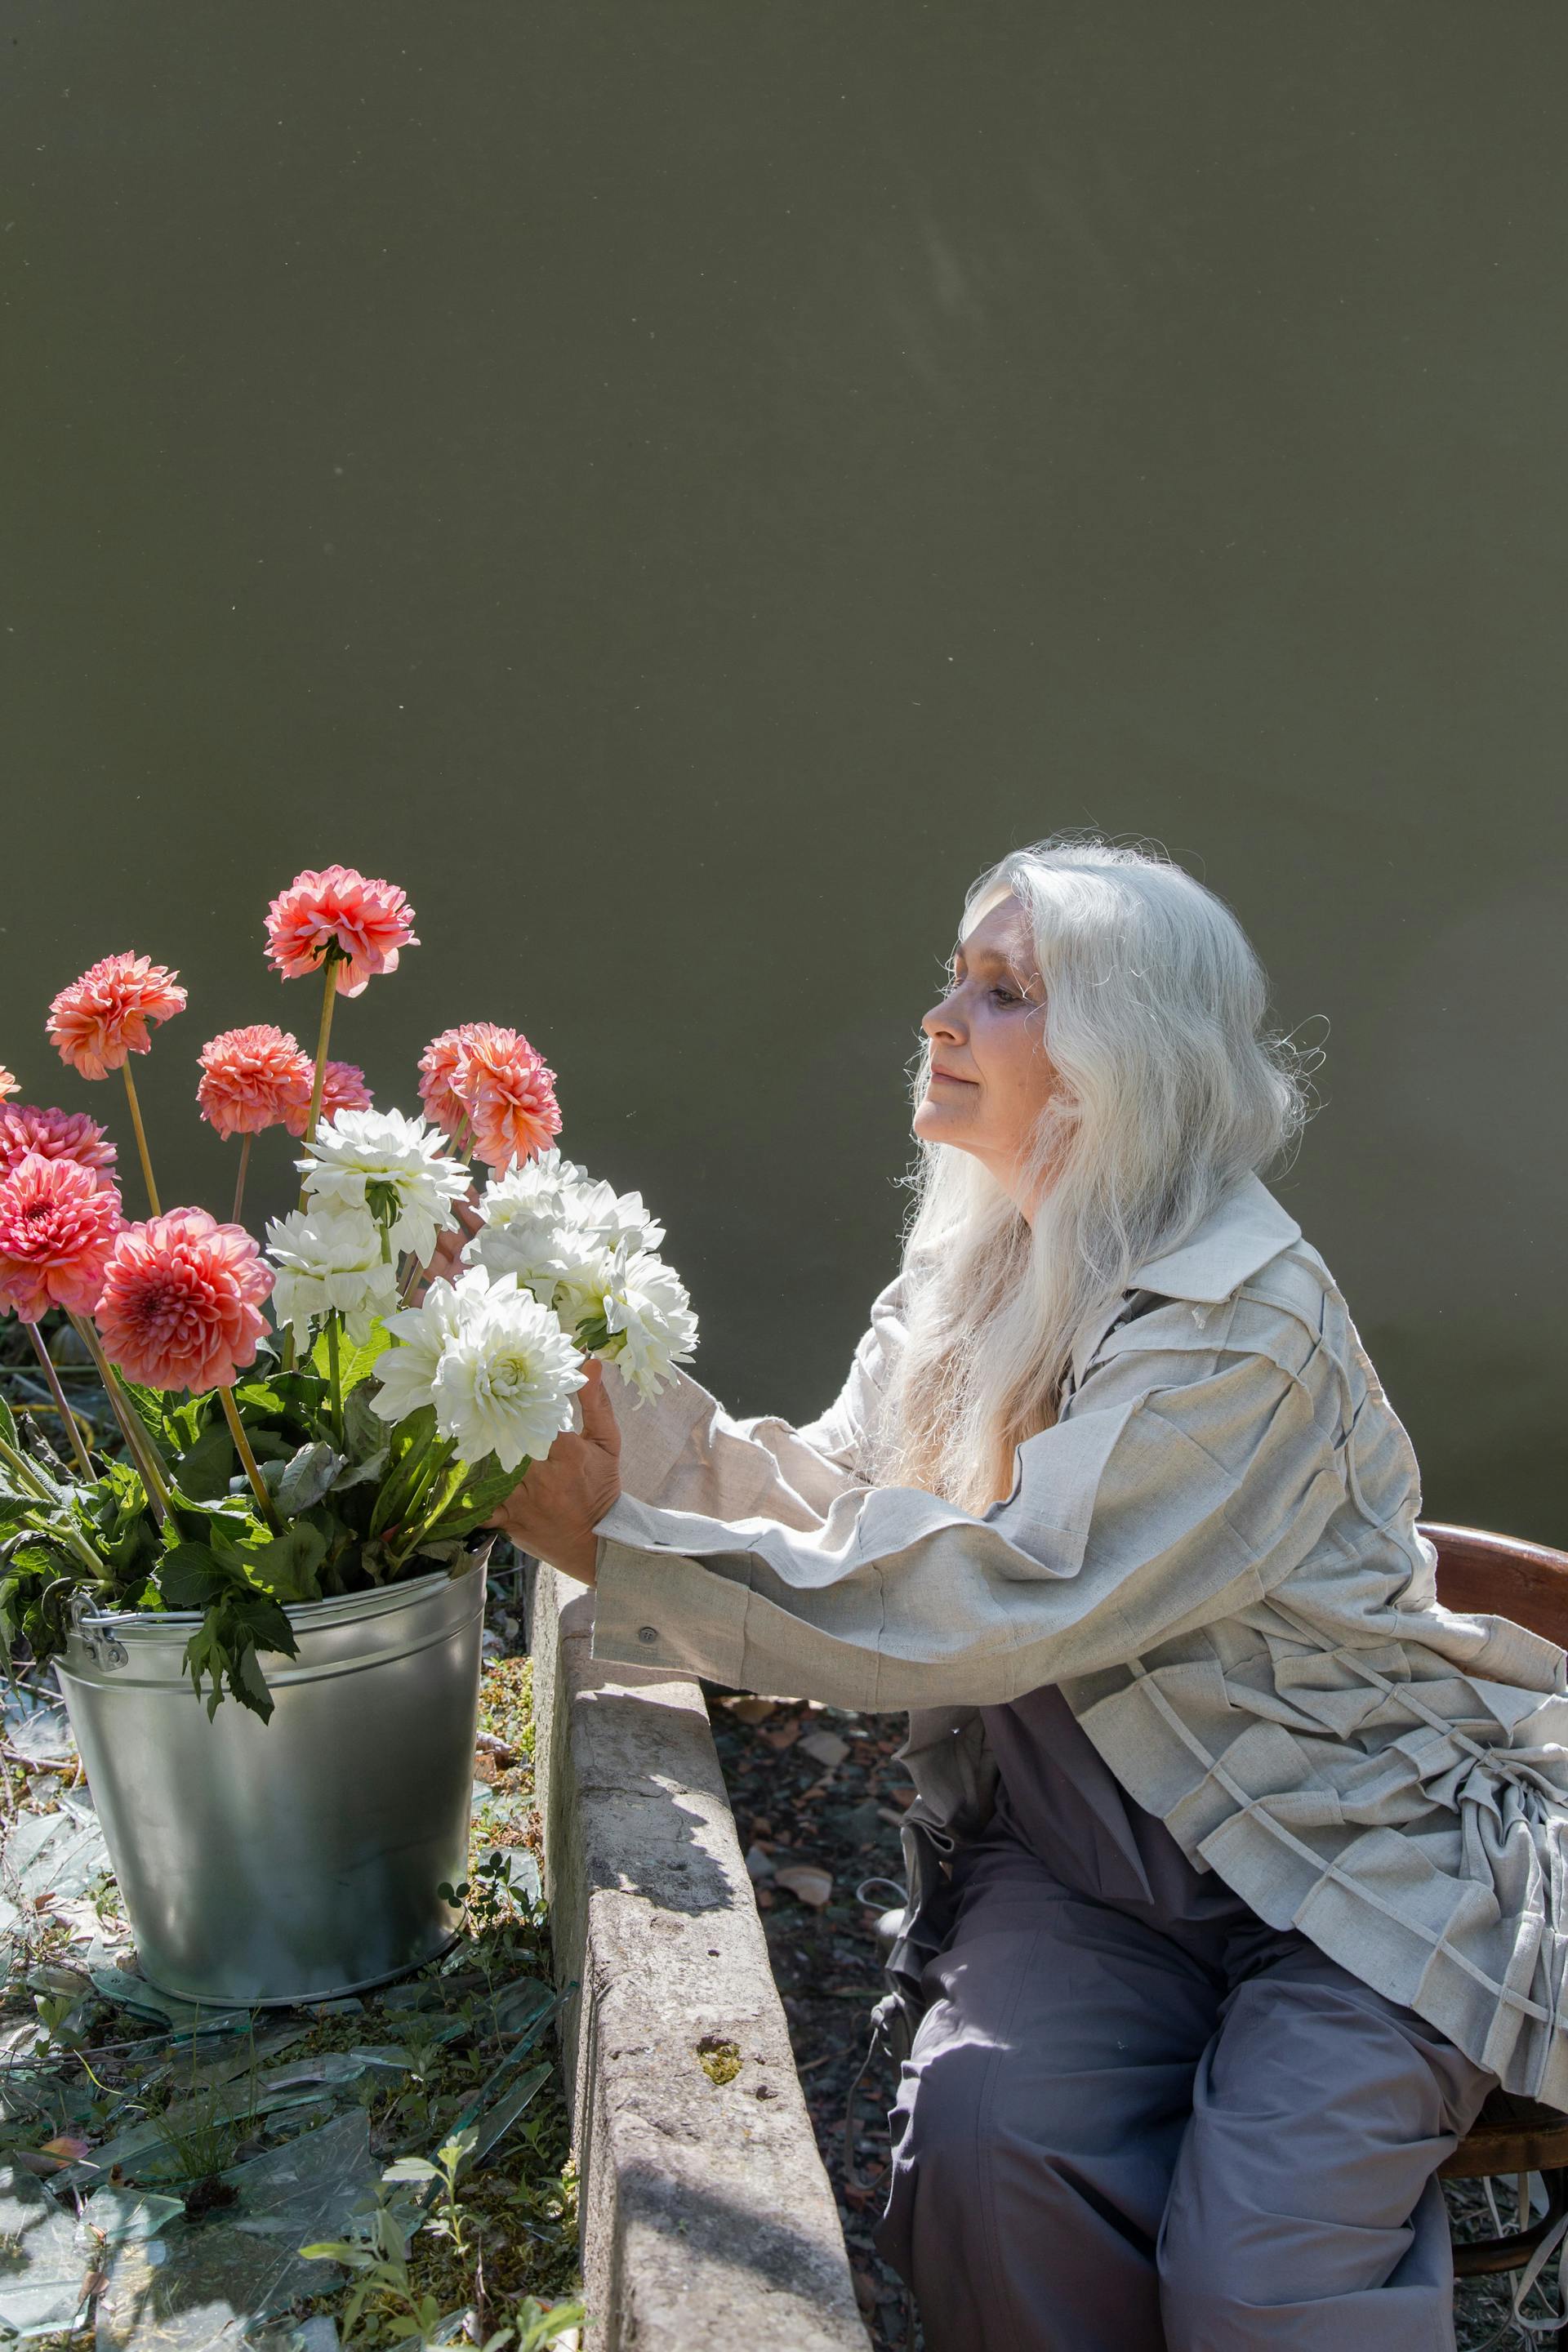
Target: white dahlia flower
[(505, 1379), (329, 1259), (524, 1211), (391, 1166), (582, 1280), (647, 1313), (406, 1372), (616, 1217)]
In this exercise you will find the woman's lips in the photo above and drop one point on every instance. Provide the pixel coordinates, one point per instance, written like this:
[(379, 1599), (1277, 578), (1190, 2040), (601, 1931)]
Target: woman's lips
[(949, 1078)]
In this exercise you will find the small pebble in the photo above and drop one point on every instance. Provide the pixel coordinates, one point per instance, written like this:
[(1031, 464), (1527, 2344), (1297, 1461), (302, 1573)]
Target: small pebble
[(805, 1880)]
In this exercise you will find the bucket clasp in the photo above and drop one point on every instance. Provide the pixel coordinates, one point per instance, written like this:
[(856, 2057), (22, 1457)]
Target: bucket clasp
[(101, 1647)]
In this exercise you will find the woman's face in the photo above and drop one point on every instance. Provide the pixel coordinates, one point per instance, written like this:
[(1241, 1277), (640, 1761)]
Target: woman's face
[(990, 1078)]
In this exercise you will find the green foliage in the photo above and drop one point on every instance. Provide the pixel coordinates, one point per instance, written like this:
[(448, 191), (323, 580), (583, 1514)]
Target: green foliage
[(385, 2303), (351, 1503), (356, 1363)]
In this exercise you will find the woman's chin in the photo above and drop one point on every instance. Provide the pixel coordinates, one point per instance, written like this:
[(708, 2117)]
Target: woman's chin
[(934, 1122)]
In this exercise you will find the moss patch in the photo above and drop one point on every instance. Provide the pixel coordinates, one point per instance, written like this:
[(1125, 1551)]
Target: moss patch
[(719, 2059)]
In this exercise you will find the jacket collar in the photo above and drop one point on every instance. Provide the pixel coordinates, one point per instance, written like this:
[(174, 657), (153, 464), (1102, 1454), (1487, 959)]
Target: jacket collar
[(1240, 1233)]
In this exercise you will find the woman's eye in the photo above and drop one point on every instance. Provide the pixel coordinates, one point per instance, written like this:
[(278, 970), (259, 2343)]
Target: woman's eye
[(1006, 995)]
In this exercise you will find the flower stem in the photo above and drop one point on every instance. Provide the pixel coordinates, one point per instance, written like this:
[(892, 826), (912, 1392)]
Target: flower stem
[(334, 1373), (140, 1138), (242, 1447), (416, 1520), (61, 1407), (329, 962), (39, 1487), (240, 1179), (138, 1444)]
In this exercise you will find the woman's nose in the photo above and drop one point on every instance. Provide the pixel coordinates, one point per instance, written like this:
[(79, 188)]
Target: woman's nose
[(943, 1020)]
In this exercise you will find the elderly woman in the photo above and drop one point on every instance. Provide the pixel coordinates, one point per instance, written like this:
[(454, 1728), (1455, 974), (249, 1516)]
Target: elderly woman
[(1238, 1861)]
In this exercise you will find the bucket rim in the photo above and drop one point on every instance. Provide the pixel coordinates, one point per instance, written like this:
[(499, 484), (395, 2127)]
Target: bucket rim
[(339, 1607)]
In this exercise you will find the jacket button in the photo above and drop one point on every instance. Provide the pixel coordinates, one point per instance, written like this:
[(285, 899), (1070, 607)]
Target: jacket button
[(648, 1632)]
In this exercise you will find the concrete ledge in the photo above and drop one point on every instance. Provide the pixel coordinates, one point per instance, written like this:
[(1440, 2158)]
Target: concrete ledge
[(708, 2222)]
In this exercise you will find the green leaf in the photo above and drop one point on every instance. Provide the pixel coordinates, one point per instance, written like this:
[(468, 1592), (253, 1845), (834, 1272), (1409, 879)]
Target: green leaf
[(307, 1476), (481, 1492), (411, 1440), (356, 1361), (280, 1396), (249, 1683), (7, 1424), (411, 2168), (363, 1428), (224, 1648), (205, 1467), (189, 1577), (362, 1474), (151, 1409), (221, 1524), (286, 1565)]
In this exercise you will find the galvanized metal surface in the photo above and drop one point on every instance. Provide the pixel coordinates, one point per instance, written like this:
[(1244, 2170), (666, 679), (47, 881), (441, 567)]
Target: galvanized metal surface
[(296, 1859)]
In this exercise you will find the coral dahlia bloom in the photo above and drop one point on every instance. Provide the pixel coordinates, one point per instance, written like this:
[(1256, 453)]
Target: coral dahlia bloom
[(181, 1301), (343, 1089), (441, 1066), (508, 1093), (493, 1079), (57, 1227), (53, 1135), (254, 1078), (8, 1084), (103, 1017), (368, 923)]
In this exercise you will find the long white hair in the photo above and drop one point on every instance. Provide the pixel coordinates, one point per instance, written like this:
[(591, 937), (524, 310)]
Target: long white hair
[(1171, 1089)]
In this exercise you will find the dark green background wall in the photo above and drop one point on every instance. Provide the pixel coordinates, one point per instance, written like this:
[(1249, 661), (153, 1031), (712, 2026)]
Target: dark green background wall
[(681, 486)]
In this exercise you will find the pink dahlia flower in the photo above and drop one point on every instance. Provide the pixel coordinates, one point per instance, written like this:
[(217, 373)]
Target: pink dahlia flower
[(441, 1065), (53, 1135), (103, 1017), (508, 1092), (181, 1301), (8, 1084), (253, 1079), (368, 923), (57, 1227), (343, 1089)]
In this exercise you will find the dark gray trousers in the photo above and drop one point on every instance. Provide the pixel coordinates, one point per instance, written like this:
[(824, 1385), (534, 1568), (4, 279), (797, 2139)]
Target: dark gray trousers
[(1109, 2139)]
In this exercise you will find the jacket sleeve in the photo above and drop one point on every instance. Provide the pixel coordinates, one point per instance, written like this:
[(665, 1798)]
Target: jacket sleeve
[(682, 1452), (1188, 1478)]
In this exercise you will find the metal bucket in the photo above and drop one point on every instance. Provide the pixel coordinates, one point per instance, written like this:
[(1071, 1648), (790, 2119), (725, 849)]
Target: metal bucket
[(296, 1859)]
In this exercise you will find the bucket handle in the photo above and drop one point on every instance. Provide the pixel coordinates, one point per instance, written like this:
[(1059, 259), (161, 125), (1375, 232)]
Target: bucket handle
[(101, 1647)]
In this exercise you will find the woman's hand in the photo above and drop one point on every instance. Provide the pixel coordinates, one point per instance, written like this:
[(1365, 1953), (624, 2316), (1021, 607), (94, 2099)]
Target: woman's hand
[(447, 1263), (563, 1498)]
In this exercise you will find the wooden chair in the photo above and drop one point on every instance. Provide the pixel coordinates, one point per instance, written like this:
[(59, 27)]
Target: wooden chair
[(1498, 1576)]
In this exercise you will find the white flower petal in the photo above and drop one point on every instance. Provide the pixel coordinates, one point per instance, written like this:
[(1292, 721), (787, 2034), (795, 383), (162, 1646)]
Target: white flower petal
[(326, 1259), (360, 1149), (505, 1382)]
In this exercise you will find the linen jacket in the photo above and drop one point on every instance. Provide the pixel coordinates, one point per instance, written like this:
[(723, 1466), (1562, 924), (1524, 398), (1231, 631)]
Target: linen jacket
[(1213, 1552)]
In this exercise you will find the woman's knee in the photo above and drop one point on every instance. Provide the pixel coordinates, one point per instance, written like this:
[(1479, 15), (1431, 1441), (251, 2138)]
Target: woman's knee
[(944, 2110)]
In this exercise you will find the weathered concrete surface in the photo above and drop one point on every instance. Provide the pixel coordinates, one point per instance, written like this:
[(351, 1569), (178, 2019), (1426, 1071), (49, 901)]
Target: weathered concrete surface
[(708, 2222)]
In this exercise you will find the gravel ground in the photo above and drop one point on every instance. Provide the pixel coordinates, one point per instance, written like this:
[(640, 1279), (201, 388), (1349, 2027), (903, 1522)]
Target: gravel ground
[(798, 1802)]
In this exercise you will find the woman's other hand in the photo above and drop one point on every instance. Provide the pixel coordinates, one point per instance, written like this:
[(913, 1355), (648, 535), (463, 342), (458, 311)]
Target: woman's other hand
[(447, 1264), (563, 1498)]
